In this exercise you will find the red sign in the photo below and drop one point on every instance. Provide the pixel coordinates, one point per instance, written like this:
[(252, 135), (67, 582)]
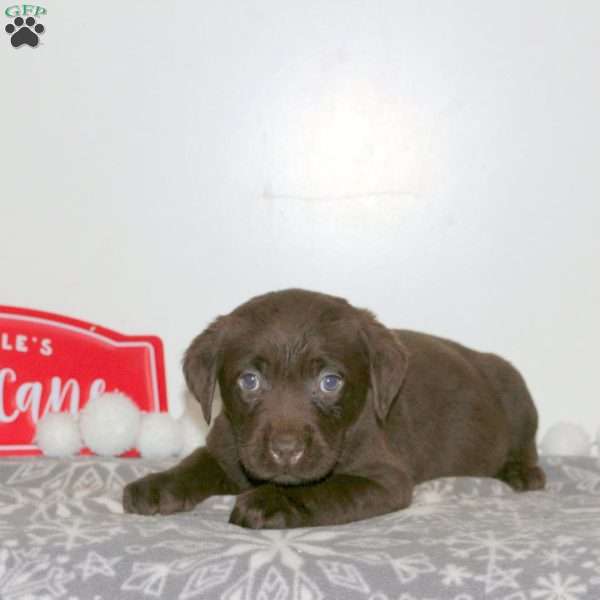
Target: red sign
[(54, 363)]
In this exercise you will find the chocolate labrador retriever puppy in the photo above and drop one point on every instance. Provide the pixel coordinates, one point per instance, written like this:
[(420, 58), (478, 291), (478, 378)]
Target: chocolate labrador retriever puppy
[(330, 417)]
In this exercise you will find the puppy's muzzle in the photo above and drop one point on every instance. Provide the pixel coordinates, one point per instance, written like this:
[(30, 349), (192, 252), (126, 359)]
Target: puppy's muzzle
[(286, 449)]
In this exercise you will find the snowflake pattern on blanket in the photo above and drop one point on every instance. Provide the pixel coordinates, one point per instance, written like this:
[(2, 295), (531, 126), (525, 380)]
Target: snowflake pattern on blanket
[(63, 534)]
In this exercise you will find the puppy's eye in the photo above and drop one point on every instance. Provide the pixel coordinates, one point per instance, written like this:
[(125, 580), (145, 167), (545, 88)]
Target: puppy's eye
[(249, 381), (330, 382)]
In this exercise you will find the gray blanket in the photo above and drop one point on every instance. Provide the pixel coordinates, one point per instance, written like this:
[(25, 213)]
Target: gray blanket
[(63, 535)]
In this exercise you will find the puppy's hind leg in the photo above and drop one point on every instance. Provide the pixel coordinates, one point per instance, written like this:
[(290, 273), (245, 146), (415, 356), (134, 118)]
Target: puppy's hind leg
[(521, 470)]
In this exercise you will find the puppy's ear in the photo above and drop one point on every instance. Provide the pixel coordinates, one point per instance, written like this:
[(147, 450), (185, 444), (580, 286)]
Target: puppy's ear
[(388, 363), (201, 364)]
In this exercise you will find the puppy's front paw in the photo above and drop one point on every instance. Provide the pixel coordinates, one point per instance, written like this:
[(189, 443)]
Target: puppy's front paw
[(157, 493), (266, 507)]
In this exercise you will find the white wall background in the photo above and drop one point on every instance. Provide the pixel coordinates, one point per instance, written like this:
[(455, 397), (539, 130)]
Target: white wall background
[(437, 162)]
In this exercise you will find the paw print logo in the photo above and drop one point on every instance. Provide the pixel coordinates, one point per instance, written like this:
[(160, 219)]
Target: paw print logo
[(24, 32)]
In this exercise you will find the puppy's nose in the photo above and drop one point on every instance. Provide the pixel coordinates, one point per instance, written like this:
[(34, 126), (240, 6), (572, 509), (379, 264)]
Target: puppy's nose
[(286, 448)]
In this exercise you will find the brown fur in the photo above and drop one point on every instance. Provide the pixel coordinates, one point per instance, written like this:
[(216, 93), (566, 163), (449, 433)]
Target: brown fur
[(412, 407)]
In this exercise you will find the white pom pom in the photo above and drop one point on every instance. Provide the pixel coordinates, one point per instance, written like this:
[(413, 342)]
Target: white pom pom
[(110, 424), (160, 436), (566, 439), (193, 433), (57, 434)]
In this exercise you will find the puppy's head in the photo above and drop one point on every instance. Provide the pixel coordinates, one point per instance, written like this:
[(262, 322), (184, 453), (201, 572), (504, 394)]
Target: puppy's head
[(295, 369)]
